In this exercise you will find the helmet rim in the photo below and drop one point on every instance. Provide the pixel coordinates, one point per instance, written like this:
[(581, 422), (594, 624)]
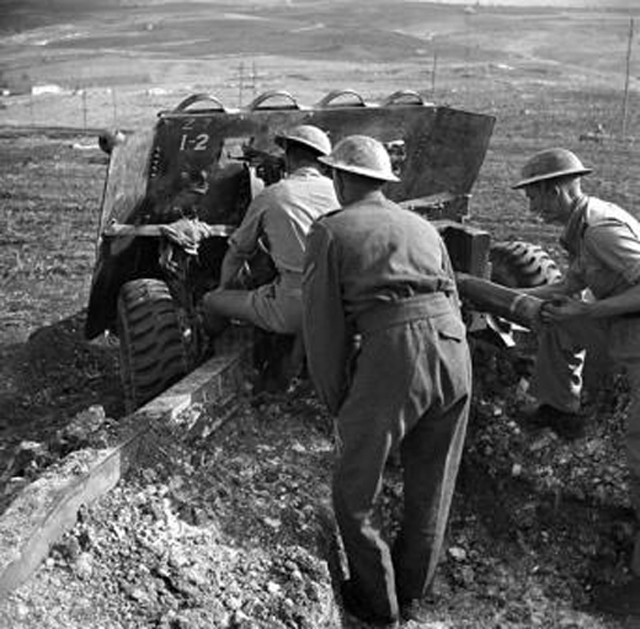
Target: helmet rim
[(550, 164), (309, 136), (382, 170), (554, 175)]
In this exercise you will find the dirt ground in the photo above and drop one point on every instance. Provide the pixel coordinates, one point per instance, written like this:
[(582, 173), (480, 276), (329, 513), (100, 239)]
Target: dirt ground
[(235, 530)]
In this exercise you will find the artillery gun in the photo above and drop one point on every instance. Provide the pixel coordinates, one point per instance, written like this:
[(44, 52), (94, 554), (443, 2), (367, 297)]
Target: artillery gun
[(203, 163)]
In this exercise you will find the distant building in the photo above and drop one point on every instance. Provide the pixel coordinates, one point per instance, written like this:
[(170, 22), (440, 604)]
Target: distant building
[(50, 88)]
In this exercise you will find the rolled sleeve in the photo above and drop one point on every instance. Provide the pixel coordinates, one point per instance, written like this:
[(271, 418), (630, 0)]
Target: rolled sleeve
[(324, 326), (617, 248), (245, 239)]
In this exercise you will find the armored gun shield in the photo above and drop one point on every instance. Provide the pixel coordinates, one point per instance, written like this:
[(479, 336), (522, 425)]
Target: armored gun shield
[(205, 162)]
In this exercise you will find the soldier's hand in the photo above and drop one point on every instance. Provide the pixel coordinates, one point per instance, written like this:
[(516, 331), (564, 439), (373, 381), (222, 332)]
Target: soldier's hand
[(561, 308)]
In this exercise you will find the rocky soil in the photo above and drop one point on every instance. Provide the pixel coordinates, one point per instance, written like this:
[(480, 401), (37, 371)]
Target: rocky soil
[(234, 529)]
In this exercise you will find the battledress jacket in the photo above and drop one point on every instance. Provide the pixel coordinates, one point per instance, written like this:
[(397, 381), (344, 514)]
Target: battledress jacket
[(358, 258)]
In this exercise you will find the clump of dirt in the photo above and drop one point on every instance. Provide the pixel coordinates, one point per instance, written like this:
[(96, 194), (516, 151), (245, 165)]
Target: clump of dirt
[(59, 393), (55, 374), (61, 365)]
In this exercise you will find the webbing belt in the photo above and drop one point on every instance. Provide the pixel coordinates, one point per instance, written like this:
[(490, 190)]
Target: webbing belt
[(393, 313)]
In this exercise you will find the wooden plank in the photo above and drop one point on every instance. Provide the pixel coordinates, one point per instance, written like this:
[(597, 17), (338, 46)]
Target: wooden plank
[(48, 507)]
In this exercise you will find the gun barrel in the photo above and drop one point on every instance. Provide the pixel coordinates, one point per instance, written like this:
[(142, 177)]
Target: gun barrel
[(500, 300)]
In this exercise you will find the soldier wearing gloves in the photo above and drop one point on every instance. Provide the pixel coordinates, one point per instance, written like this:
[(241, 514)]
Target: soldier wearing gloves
[(603, 244), (278, 219), (382, 275)]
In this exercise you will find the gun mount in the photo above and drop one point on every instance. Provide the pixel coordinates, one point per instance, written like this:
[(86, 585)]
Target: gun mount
[(204, 162)]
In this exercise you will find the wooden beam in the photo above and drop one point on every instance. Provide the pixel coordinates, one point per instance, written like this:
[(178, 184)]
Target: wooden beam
[(48, 507)]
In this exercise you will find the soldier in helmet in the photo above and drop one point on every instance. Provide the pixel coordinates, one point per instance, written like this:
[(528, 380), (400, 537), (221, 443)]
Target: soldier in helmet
[(603, 245), (278, 220), (387, 351)]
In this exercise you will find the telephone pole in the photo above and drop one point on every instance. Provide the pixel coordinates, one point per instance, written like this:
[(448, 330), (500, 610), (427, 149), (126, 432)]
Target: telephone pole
[(625, 104)]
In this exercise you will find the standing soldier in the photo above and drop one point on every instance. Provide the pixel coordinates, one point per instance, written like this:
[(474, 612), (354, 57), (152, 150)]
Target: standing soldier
[(381, 274), (603, 244)]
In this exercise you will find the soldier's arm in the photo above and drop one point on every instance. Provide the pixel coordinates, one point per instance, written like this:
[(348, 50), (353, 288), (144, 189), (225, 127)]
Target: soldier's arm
[(230, 267), (324, 325), (618, 248), (244, 241), (571, 284), (623, 304)]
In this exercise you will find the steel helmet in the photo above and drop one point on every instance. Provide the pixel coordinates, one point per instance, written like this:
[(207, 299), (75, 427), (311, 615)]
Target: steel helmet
[(361, 155), (309, 136), (550, 164)]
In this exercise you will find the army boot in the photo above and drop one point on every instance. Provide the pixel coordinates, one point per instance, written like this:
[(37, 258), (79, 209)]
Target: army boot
[(620, 600), (568, 426)]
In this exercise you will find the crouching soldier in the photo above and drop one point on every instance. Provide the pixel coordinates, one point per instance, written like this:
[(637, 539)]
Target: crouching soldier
[(603, 244)]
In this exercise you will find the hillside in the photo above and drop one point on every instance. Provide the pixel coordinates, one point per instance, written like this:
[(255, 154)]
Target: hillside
[(137, 58)]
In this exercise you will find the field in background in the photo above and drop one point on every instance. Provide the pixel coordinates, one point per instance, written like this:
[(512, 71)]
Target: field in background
[(118, 65)]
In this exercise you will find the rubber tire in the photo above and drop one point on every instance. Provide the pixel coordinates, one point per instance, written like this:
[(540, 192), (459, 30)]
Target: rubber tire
[(522, 264), (153, 351)]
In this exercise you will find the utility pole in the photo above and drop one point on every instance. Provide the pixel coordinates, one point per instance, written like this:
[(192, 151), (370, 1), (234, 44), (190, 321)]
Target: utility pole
[(84, 108), (114, 103), (625, 104), (434, 71), (240, 83), (254, 78)]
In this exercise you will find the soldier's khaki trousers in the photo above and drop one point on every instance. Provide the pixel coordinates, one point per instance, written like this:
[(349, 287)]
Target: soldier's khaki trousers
[(558, 378), (411, 386), (277, 306)]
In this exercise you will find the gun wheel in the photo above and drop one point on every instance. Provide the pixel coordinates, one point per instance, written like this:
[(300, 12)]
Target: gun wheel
[(153, 349), (522, 264)]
